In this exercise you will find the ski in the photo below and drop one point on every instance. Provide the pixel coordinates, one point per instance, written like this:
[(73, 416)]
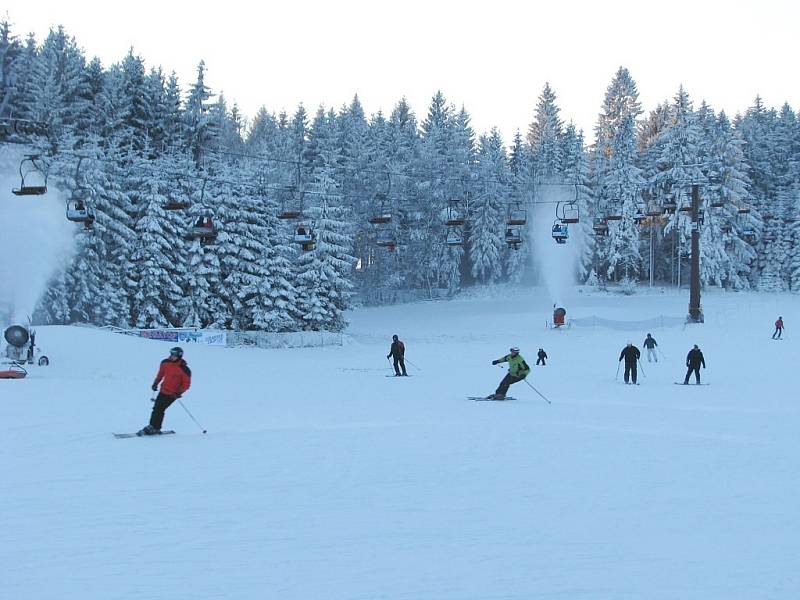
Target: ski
[(681, 383), (120, 436), (401, 376), (484, 398)]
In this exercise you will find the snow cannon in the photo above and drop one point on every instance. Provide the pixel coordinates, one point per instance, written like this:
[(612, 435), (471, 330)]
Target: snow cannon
[(22, 347), (559, 317)]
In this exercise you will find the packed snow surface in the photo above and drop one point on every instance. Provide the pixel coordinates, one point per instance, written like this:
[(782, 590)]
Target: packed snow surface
[(321, 478)]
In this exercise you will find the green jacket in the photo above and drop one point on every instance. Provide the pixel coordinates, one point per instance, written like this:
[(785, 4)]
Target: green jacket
[(516, 365)]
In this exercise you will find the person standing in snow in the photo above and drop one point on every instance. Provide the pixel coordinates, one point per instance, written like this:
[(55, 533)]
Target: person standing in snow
[(693, 361), (778, 328), (518, 370), (175, 378), (398, 352), (541, 356), (650, 343), (631, 355)]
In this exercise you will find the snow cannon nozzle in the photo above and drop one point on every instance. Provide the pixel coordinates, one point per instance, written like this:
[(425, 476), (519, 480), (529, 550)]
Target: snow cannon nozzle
[(17, 336)]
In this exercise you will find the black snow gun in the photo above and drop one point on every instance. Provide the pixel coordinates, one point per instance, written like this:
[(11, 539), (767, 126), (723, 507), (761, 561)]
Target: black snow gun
[(559, 317), (22, 348)]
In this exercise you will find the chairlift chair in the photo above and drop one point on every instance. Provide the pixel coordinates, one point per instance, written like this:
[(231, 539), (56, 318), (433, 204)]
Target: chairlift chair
[(560, 232), (719, 203), (204, 229), (386, 239), (600, 227), (383, 215), (513, 237), (454, 237), (78, 205), (516, 215), (175, 202), (669, 207), (568, 213), (291, 205), (685, 208), (454, 217), (33, 177), (743, 210)]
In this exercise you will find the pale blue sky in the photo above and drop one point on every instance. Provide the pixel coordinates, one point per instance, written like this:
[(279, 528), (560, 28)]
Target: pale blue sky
[(494, 57)]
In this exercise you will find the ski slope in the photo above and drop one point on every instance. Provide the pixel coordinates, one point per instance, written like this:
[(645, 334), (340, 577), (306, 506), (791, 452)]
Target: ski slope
[(322, 478)]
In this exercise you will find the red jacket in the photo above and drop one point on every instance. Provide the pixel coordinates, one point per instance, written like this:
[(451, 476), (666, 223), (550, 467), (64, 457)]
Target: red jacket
[(175, 377), (779, 323)]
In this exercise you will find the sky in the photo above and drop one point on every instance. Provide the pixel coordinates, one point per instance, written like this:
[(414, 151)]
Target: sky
[(491, 57)]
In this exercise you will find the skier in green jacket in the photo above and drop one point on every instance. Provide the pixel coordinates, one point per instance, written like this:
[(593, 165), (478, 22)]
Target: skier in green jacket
[(518, 370)]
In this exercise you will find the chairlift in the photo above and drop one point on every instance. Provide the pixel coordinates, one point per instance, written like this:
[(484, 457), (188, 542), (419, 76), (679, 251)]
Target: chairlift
[(567, 213), (386, 239), (383, 215), (33, 176), (560, 232), (516, 215), (454, 237), (204, 229), (600, 227), (513, 237), (175, 201), (685, 208), (743, 210), (455, 216), (718, 203), (305, 236), (291, 204), (669, 207), (749, 235), (654, 212)]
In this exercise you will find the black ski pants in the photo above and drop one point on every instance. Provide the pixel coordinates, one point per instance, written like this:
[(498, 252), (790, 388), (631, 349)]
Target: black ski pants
[(163, 402), (630, 371), (540, 361), (508, 380), (399, 363), (777, 333), (696, 370)]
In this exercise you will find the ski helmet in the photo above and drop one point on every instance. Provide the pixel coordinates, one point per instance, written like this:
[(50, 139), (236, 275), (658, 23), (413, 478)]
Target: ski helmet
[(394, 337), (176, 351), (514, 349)]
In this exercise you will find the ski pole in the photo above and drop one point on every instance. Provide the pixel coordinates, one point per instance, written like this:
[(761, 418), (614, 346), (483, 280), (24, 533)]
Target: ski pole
[(641, 368), (190, 414), (537, 391), (617, 375), (412, 364)]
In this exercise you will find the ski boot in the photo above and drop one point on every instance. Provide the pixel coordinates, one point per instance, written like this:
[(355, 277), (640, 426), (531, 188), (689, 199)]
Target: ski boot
[(148, 430)]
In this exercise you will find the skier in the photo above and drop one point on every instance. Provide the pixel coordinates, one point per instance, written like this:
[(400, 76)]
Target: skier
[(778, 328), (398, 353), (650, 343), (175, 378), (631, 355), (542, 355), (693, 361), (518, 370)]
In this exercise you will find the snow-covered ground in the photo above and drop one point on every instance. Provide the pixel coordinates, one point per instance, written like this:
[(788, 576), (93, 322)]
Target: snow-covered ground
[(322, 478)]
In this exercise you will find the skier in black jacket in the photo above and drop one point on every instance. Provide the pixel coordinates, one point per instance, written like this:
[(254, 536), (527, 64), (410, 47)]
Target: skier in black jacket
[(631, 355), (650, 343), (542, 356), (398, 353), (693, 361)]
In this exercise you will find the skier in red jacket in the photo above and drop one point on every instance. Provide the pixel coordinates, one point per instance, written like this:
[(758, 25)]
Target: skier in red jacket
[(778, 328), (175, 378)]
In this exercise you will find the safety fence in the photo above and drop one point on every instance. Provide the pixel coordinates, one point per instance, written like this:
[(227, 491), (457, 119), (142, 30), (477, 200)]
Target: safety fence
[(660, 321), (257, 339)]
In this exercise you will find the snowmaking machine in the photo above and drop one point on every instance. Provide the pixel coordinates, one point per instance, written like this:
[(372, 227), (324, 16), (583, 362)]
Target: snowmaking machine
[(21, 350)]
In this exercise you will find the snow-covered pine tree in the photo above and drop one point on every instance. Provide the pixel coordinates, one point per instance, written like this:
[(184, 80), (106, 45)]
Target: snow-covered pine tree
[(324, 272), (544, 136), (489, 210), (617, 178)]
